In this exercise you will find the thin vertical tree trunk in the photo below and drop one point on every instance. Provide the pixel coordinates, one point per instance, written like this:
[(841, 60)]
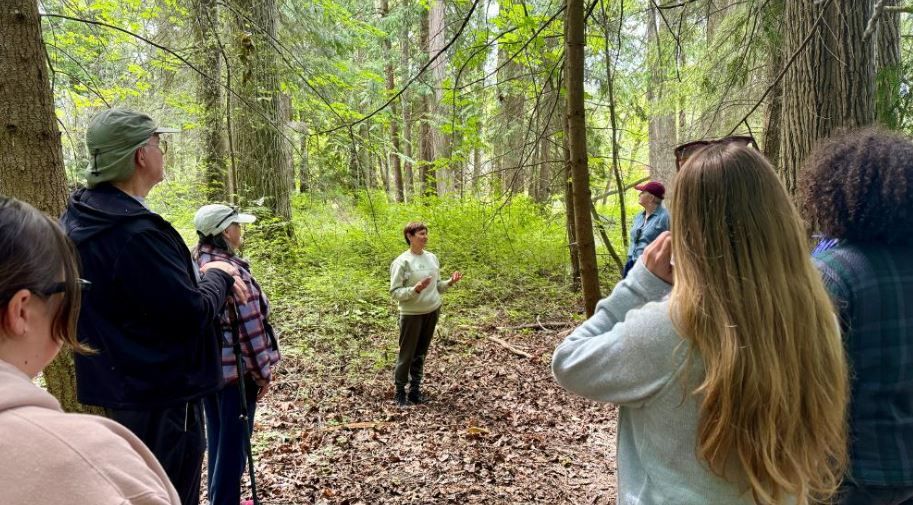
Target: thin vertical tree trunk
[(887, 66), (476, 169), (569, 212), (428, 175), (773, 114), (31, 156), (394, 162), (661, 129), (437, 108), (613, 116), (407, 105), (304, 172), (575, 41)]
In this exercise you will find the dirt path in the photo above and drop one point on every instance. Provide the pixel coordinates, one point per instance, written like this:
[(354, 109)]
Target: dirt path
[(498, 430)]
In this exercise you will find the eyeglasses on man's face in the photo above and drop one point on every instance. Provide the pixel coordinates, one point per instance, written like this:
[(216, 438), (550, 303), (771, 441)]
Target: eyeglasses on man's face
[(162, 146), (686, 151)]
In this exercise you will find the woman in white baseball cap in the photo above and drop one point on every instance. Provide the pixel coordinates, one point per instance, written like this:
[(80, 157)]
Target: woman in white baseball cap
[(219, 229)]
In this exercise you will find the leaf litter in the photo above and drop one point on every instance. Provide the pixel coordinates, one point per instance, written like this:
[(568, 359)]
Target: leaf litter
[(498, 430)]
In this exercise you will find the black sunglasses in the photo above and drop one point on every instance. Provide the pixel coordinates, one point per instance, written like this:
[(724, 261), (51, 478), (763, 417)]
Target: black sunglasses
[(686, 151), (60, 287)]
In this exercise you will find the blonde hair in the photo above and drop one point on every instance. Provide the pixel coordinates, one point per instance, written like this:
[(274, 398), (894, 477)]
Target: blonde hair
[(774, 396)]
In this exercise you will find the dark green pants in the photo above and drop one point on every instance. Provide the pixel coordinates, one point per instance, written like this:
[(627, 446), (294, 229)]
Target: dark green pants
[(414, 338)]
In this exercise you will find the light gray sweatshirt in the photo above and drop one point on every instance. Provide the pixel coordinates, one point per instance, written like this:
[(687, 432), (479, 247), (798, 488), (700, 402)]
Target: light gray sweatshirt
[(630, 354)]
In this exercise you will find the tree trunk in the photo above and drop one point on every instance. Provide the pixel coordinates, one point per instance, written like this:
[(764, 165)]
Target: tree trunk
[(263, 171), (831, 83), (31, 156), (407, 105), (304, 173), (394, 110), (569, 212), (773, 114), (887, 67), (611, 64), (209, 96), (661, 130), (428, 176), (476, 170), (364, 157), (575, 41), (438, 109)]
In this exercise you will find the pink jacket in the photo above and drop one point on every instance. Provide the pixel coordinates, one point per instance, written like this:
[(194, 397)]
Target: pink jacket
[(49, 457)]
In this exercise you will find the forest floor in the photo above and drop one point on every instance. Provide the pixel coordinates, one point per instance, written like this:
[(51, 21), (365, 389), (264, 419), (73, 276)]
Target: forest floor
[(498, 429)]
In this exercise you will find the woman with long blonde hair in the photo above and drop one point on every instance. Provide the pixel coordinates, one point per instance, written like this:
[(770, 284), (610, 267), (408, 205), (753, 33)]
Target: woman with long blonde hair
[(727, 367)]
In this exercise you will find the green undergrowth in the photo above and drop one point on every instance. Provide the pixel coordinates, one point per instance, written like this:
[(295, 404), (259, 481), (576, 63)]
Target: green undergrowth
[(329, 283)]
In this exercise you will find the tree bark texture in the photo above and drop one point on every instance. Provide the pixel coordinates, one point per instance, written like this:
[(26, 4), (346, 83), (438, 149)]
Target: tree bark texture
[(407, 105), (569, 212), (263, 170), (394, 111), (661, 129), (209, 96), (575, 42), (428, 172), (888, 67), (304, 171), (31, 156), (774, 111), (438, 109), (831, 84)]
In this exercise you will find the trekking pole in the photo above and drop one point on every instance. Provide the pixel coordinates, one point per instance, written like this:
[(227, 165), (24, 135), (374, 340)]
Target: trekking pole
[(244, 418)]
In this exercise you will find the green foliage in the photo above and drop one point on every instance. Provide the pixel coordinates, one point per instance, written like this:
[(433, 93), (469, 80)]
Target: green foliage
[(329, 285)]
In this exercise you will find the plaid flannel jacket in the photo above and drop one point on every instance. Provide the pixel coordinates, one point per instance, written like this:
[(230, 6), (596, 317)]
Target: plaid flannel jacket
[(872, 287), (259, 349)]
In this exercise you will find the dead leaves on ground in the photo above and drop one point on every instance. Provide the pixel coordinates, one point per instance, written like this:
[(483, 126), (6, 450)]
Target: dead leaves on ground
[(498, 430)]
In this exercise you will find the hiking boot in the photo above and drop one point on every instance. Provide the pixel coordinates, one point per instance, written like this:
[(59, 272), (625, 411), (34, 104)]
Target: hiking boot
[(416, 396), (400, 397)]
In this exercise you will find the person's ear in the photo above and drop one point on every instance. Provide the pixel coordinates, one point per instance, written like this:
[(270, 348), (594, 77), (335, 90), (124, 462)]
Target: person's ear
[(139, 156), (14, 319)]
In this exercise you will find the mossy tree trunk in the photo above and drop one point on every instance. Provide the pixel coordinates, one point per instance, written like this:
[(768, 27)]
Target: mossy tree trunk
[(31, 157)]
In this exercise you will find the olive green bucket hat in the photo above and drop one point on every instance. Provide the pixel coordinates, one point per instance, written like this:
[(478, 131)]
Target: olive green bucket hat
[(112, 137)]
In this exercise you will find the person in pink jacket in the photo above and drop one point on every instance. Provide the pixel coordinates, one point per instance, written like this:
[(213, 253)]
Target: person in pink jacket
[(50, 457)]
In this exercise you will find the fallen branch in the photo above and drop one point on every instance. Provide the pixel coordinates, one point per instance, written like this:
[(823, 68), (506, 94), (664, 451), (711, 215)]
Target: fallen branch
[(509, 347), (363, 425), (544, 325)]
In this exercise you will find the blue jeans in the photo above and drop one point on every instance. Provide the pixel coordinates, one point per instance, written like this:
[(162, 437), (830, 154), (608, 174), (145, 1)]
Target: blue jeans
[(225, 440)]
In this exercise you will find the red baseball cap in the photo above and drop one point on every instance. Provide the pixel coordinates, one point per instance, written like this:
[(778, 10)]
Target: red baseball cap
[(655, 188)]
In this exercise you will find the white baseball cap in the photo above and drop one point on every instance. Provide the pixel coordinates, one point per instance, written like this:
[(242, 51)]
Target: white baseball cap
[(213, 219)]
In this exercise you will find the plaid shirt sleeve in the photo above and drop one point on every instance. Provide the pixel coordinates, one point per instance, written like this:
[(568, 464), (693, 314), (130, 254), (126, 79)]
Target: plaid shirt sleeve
[(256, 342), (257, 348)]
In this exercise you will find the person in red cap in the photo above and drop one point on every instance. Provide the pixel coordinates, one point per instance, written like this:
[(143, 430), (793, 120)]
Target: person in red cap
[(648, 224)]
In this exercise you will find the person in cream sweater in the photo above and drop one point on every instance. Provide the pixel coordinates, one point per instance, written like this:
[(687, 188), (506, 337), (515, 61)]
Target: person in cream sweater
[(416, 284)]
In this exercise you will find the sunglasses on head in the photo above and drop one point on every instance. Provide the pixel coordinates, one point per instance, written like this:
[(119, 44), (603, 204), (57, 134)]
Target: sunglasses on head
[(686, 151), (60, 287)]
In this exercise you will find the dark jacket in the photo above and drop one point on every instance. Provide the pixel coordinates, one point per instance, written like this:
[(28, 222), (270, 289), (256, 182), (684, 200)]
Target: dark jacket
[(148, 316)]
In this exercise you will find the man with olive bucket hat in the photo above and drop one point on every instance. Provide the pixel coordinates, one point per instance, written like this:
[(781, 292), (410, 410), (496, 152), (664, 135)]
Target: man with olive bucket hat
[(150, 316)]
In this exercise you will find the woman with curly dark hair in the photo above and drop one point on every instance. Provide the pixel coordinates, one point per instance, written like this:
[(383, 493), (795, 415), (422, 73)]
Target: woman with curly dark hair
[(857, 188)]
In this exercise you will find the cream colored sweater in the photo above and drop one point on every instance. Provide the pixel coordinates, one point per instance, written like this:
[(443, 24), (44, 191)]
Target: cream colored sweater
[(407, 270)]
